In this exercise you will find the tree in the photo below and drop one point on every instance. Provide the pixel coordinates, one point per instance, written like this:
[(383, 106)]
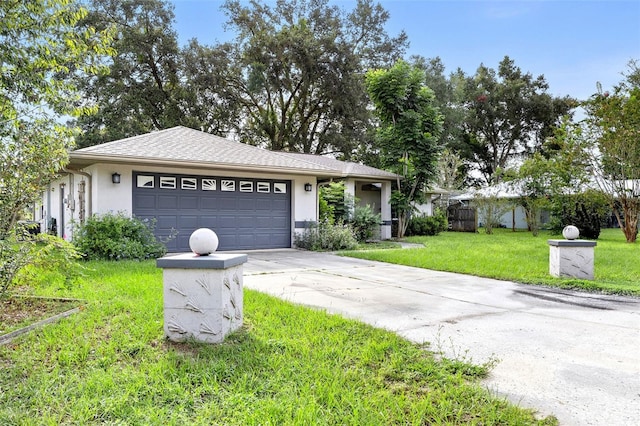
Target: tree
[(145, 88), (613, 122), (510, 115), (295, 71), (39, 47), (40, 50), (408, 133)]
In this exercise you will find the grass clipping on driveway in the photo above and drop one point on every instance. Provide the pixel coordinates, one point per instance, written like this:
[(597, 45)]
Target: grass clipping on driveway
[(288, 365)]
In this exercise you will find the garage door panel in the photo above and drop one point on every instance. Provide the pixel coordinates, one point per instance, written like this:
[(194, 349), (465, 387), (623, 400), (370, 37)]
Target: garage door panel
[(145, 201), (189, 202), (167, 222), (188, 222), (167, 202), (242, 220), (208, 202)]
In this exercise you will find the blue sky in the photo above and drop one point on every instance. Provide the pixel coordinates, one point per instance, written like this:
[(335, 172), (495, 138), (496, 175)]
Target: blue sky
[(574, 44)]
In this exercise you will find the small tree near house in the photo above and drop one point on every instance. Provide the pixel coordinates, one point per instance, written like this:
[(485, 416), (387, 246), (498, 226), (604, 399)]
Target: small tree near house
[(613, 122), (408, 133)]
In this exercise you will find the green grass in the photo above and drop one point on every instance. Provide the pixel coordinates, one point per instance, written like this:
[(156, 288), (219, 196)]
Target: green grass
[(289, 365), (520, 257)]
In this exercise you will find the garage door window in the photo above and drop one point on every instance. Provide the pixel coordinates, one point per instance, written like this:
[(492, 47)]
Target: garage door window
[(189, 183), (227, 185), (145, 181), (208, 184)]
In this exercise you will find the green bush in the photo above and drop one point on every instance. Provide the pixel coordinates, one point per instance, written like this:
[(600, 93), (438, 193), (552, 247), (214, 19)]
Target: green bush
[(39, 259), (427, 225), (365, 222), (586, 211), (335, 203), (326, 237), (117, 236)]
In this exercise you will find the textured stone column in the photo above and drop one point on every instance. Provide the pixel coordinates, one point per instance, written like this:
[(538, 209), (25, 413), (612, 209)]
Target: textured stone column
[(202, 295), (571, 258)]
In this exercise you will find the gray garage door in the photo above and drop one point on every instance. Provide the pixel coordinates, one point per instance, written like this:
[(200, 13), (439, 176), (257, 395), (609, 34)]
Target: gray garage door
[(244, 213)]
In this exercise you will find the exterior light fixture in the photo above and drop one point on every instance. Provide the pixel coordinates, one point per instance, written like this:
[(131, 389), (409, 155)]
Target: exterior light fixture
[(115, 177), (308, 187)]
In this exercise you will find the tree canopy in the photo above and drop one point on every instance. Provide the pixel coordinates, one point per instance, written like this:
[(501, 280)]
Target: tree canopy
[(40, 53), (295, 70), (408, 134), (509, 116), (144, 89), (613, 122)]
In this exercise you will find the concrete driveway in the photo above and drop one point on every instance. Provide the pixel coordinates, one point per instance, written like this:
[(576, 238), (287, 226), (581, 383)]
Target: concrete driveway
[(570, 354)]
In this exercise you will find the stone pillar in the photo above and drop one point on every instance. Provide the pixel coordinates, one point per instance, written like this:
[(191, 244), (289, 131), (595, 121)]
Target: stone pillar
[(202, 295), (571, 258)]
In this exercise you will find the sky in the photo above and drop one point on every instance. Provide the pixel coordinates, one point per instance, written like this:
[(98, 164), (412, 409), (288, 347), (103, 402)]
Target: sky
[(574, 44)]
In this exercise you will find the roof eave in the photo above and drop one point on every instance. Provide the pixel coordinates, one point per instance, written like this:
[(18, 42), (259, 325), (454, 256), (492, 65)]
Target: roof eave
[(82, 160)]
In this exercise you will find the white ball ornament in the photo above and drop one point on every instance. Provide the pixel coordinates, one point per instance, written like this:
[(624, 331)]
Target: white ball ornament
[(203, 241), (570, 232)]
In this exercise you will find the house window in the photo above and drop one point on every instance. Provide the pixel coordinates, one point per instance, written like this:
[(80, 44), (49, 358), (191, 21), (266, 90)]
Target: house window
[(208, 184), (246, 186), (167, 182), (145, 181), (280, 188), (189, 183), (264, 187), (227, 185)]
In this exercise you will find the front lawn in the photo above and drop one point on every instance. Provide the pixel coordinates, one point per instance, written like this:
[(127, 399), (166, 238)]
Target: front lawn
[(110, 364), (520, 257)]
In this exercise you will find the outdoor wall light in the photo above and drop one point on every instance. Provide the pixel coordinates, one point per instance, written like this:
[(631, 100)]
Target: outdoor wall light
[(115, 177), (308, 187)]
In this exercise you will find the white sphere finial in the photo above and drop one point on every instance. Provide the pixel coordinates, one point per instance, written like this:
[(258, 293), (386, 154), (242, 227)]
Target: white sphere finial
[(203, 241), (570, 232)]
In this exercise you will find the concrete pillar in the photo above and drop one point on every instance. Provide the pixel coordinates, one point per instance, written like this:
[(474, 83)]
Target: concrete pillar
[(571, 258), (203, 296)]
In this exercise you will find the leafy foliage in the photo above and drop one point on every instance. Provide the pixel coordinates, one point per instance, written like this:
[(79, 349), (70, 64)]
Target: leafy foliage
[(294, 72), (339, 204), (510, 115), (38, 47), (144, 89), (410, 126), (425, 225), (32, 260), (365, 222), (587, 211), (326, 236), (40, 50), (614, 124), (115, 237), (490, 209)]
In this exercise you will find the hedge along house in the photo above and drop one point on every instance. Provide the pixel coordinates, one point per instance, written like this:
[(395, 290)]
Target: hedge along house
[(186, 179)]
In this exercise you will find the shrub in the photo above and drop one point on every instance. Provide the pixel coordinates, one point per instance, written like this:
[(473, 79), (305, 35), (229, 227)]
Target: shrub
[(117, 236), (339, 204), (365, 222), (326, 236), (427, 225), (586, 211), (39, 259)]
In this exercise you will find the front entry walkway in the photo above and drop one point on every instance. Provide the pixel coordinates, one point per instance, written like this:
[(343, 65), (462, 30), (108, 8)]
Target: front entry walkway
[(570, 354)]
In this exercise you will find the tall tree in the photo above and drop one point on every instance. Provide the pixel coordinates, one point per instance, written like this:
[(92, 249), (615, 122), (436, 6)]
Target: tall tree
[(410, 127), (39, 45), (296, 71), (143, 89), (510, 114), (613, 120)]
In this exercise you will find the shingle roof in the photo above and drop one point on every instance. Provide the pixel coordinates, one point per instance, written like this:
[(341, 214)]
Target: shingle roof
[(185, 146), (346, 168)]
